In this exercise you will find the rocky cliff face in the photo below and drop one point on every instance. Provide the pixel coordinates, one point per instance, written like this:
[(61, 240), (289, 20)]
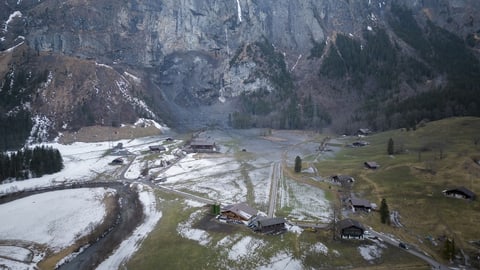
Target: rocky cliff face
[(195, 61)]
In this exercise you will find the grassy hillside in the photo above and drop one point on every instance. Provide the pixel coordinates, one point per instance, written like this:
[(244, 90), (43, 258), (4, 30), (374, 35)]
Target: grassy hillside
[(429, 159)]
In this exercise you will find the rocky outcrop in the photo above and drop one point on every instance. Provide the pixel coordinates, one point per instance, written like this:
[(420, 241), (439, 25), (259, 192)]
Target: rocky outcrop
[(194, 56)]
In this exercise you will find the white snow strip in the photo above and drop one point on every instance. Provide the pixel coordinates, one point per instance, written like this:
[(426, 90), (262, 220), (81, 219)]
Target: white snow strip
[(296, 63), (129, 246), (239, 11), (14, 47), (10, 19)]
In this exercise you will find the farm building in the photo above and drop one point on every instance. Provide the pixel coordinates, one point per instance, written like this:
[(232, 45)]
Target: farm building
[(342, 178), (156, 148), (357, 204), (460, 192), (198, 145), (269, 225), (117, 161), (239, 211), (360, 143), (349, 228), (363, 132), (371, 165)]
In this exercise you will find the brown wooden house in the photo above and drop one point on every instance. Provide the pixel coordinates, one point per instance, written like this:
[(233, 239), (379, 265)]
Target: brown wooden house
[(349, 228), (239, 211)]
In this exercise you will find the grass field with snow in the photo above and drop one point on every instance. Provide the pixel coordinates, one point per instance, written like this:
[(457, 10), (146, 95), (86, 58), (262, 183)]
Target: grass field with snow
[(175, 234)]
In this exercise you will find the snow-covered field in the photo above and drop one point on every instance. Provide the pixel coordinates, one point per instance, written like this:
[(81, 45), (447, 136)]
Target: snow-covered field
[(228, 177), (54, 219)]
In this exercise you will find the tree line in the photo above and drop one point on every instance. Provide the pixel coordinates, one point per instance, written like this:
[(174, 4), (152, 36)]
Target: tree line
[(30, 163)]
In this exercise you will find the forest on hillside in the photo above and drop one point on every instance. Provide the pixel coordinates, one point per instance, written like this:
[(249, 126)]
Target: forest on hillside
[(30, 163)]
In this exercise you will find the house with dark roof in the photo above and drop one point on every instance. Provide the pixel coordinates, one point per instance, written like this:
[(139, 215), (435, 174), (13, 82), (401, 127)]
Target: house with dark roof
[(357, 204), (343, 179), (117, 161), (156, 148), (240, 211), (199, 145), (460, 192), (349, 228), (269, 225), (371, 165)]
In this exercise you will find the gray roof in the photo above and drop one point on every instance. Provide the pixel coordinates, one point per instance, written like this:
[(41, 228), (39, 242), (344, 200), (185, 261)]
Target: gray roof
[(463, 190), (200, 142), (347, 223), (271, 221), (360, 202)]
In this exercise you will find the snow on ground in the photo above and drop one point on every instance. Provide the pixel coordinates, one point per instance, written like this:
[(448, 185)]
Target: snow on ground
[(186, 231), (319, 248), (65, 216), (284, 261), (370, 252), (16, 253), (246, 248), (129, 246), (15, 265), (307, 203), (84, 162)]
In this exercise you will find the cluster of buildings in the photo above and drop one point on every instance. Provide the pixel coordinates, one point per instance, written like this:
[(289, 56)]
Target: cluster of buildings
[(242, 213)]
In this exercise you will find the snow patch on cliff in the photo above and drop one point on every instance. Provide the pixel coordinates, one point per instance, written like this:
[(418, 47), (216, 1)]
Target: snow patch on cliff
[(39, 132), (10, 19), (239, 10), (123, 86)]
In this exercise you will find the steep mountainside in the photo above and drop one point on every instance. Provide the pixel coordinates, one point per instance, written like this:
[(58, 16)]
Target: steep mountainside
[(277, 63)]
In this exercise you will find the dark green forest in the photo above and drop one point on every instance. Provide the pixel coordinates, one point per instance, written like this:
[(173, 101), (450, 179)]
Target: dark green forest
[(376, 67), (30, 163)]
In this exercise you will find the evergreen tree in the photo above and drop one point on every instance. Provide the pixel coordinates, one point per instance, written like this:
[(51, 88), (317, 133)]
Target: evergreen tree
[(298, 164), (449, 249), (27, 163), (384, 212), (390, 148)]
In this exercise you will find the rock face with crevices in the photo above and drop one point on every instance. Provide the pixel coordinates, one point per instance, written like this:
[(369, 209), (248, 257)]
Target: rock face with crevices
[(242, 63)]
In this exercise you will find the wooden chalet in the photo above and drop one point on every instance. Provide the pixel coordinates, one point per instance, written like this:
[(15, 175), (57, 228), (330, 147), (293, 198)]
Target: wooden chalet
[(363, 132), (156, 148), (460, 192), (239, 211), (198, 145), (371, 165), (360, 143), (342, 178), (357, 204), (350, 229)]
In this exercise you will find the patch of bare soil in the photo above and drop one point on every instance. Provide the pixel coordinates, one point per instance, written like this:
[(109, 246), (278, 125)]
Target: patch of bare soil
[(210, 223), (106, 133)]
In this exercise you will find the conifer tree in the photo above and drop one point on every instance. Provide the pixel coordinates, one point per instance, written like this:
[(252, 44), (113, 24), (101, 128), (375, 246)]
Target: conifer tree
[(384, 212), (298, 164), (390, 148)]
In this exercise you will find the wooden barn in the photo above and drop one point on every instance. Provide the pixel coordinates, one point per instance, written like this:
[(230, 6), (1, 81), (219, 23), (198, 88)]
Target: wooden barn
[(357, 204), (371, 165), (350, 229), (198, 145), (239, 211), (343, 179), (269, 225), (156, 148), (460, 192)]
